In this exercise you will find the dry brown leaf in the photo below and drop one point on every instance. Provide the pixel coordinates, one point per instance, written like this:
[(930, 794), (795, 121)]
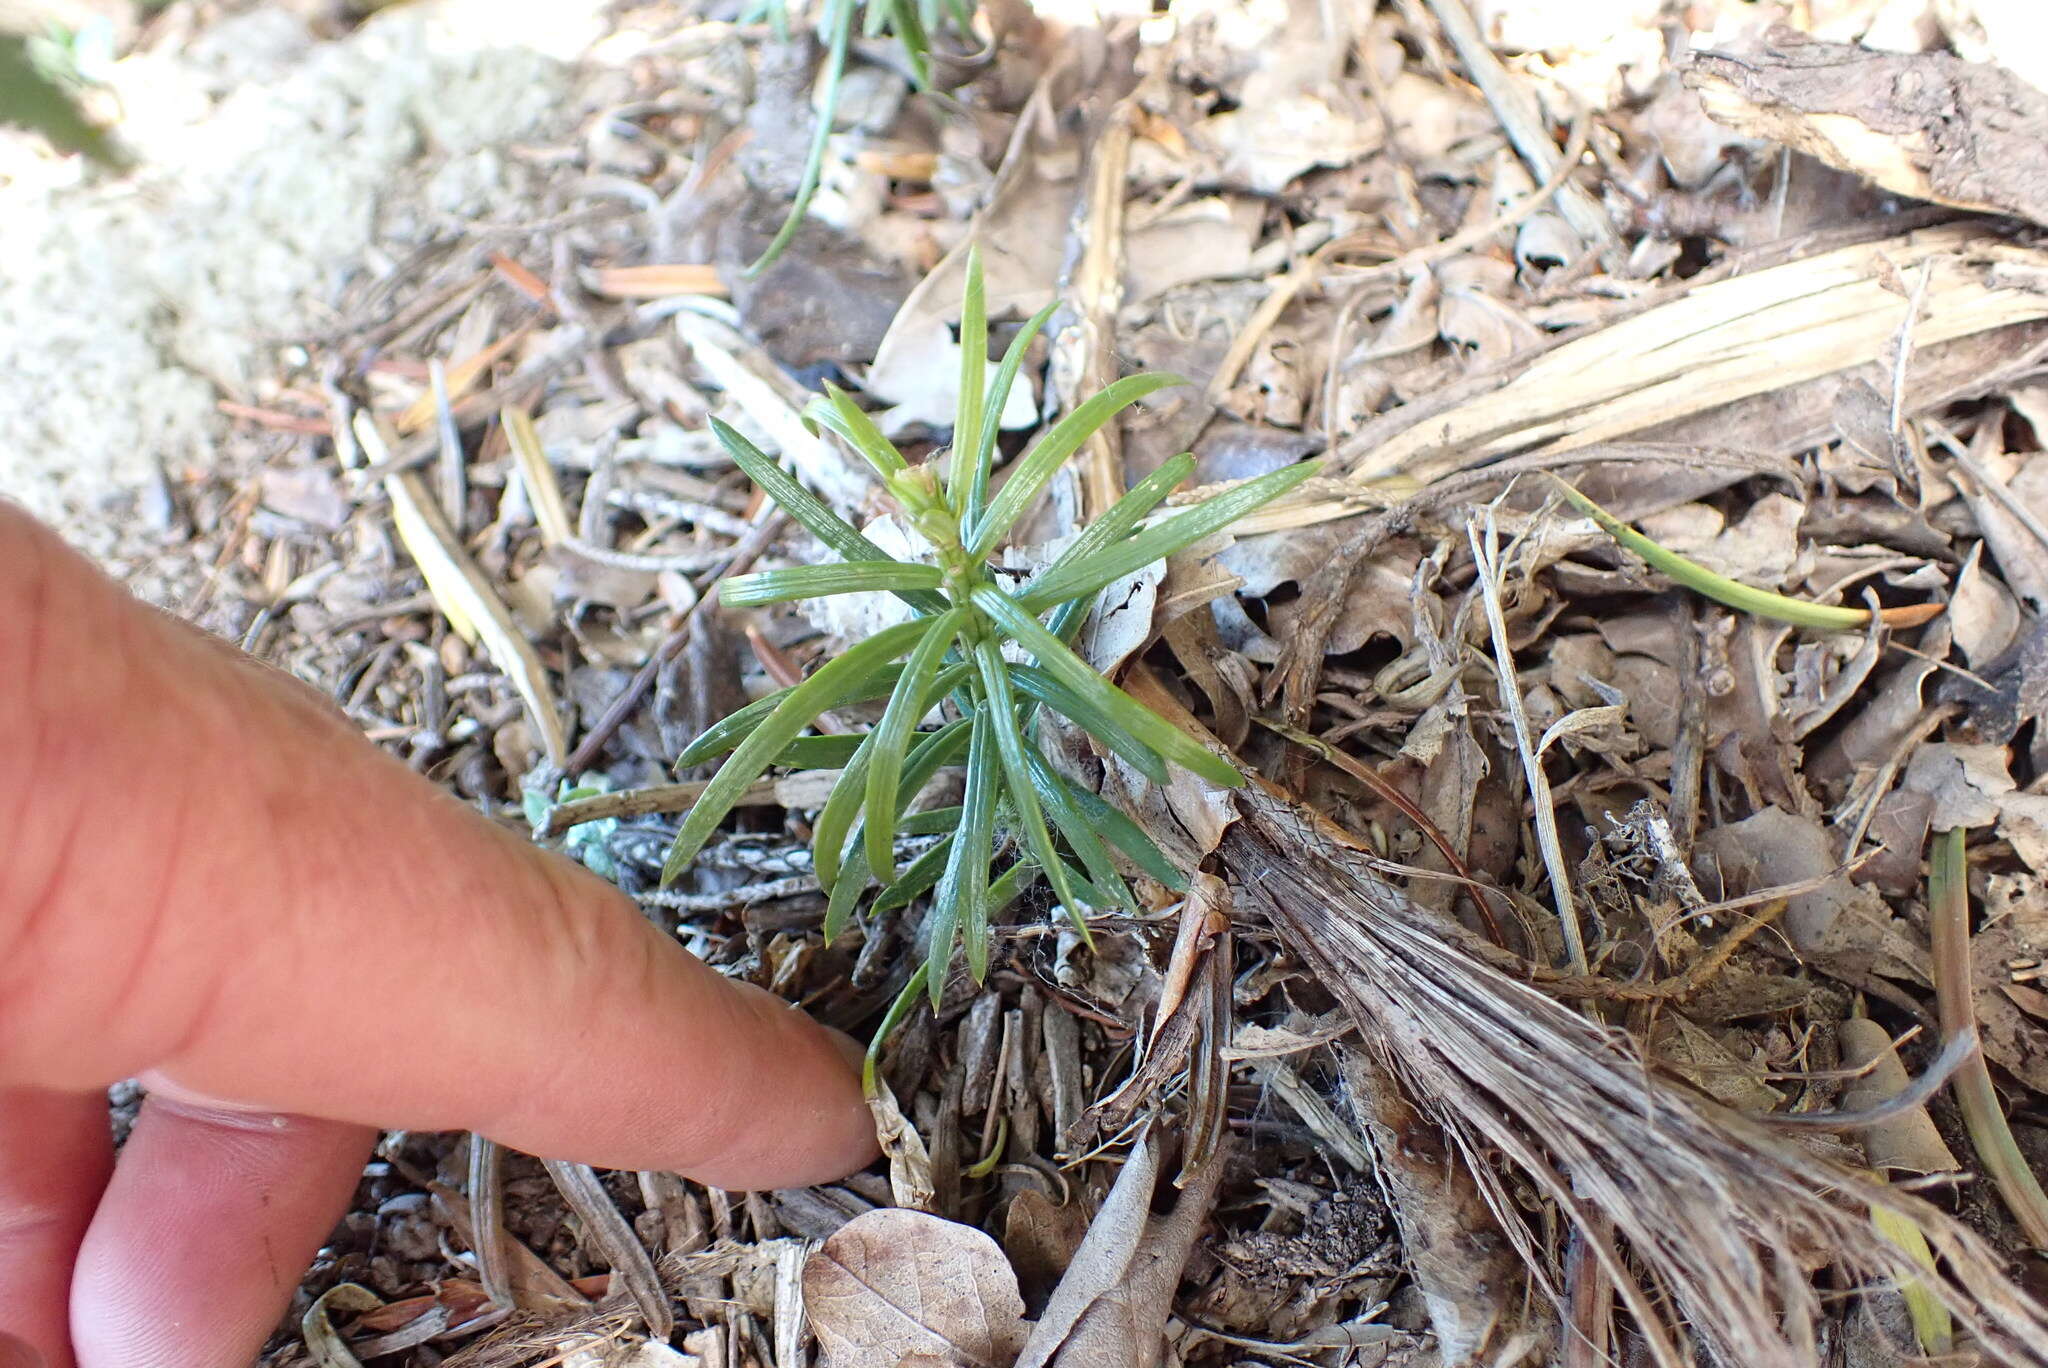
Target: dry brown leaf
[(1463, 1265), (893, 1284), (1773, 847), (1759, 549), (2014, 1039), (1965, 782), (1112, 1306), (1908, 1142), (1982, 611)]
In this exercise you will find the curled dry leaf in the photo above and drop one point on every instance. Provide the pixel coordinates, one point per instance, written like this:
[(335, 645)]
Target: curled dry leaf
[(1908, 1142), (1113, 1303), (893, 1286)]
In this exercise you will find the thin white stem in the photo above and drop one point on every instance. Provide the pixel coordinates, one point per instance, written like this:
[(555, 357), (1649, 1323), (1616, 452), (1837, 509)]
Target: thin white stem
[(1485, 555)]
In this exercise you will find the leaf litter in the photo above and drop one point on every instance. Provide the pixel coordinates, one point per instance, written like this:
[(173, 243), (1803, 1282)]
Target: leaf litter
[(1579, 845)]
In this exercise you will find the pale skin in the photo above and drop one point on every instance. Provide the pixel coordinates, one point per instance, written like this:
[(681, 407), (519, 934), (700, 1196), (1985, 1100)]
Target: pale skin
[(209, 881)]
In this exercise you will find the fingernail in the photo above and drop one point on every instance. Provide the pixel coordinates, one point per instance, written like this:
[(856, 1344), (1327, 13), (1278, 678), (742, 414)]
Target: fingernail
[(15, 1353)]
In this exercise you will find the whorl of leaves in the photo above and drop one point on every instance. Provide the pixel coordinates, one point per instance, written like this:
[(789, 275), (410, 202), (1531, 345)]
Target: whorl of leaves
[(952, 649)]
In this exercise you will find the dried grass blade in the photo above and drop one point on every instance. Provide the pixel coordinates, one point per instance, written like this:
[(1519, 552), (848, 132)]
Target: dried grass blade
[(462, 378), (616, 1242), (543, 491), (462, 593), (657, 281)]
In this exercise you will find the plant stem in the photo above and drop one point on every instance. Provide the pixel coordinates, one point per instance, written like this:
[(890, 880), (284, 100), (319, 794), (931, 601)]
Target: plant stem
[(1948, 904)]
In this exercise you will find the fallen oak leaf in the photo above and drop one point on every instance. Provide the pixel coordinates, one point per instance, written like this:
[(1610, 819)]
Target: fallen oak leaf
[(894, 1286)]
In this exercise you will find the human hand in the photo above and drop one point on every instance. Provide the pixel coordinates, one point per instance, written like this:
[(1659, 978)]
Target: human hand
[(212, 882)]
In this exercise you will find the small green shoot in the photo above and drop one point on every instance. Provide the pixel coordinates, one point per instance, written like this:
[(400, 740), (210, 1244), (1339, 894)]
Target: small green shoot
[(952, 653), (911, 21), (1734, 594), (1948, 913)]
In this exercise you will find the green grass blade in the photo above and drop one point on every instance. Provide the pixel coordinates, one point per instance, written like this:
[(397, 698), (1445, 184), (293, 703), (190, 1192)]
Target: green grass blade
[(796, 711), (1070, 670), (822, 581), (909, 28), (727, 733), (1696, 577), (836, 819), (998, 401), (1113, 526), (808, 509), (1999, 1154), (818, 752), (1083, 578), (836, 412), (1082, 839), (935, 749), (968, 416), (963, 888), (1932, 1324), (1012, 749), (838, 23), (1037, 466), (933, 822), (1121, 518), (31, 99), (917, 876), (1127, 836), (891, 1019), (845, 894), (907, 707), (1091, 718)]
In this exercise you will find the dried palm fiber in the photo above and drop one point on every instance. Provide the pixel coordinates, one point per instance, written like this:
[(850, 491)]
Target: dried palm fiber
[(1725, 1214)]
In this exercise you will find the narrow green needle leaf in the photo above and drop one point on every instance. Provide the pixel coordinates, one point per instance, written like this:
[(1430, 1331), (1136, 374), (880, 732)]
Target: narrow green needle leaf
[(837, 22), (727, 733), (1091, 718), (845, 894), (1013, 751), (818, 752), (1127, 836), (1070, 578), (933, 750), (998, 401), (842, 807), (907, 706), (1070, 670), (808, 509), (968, 417), (836, 411), (1113, 526), (796, 711), (917, 876), (821, 581), (1053, 792), (1121, 518), (1037, 466), (963, 888)]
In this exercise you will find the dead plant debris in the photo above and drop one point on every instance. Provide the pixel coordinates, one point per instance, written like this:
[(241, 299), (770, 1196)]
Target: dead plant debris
[(1559, 877)]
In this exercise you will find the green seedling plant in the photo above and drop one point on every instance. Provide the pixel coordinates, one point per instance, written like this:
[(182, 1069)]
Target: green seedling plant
[(952, 650), (912, 22)]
